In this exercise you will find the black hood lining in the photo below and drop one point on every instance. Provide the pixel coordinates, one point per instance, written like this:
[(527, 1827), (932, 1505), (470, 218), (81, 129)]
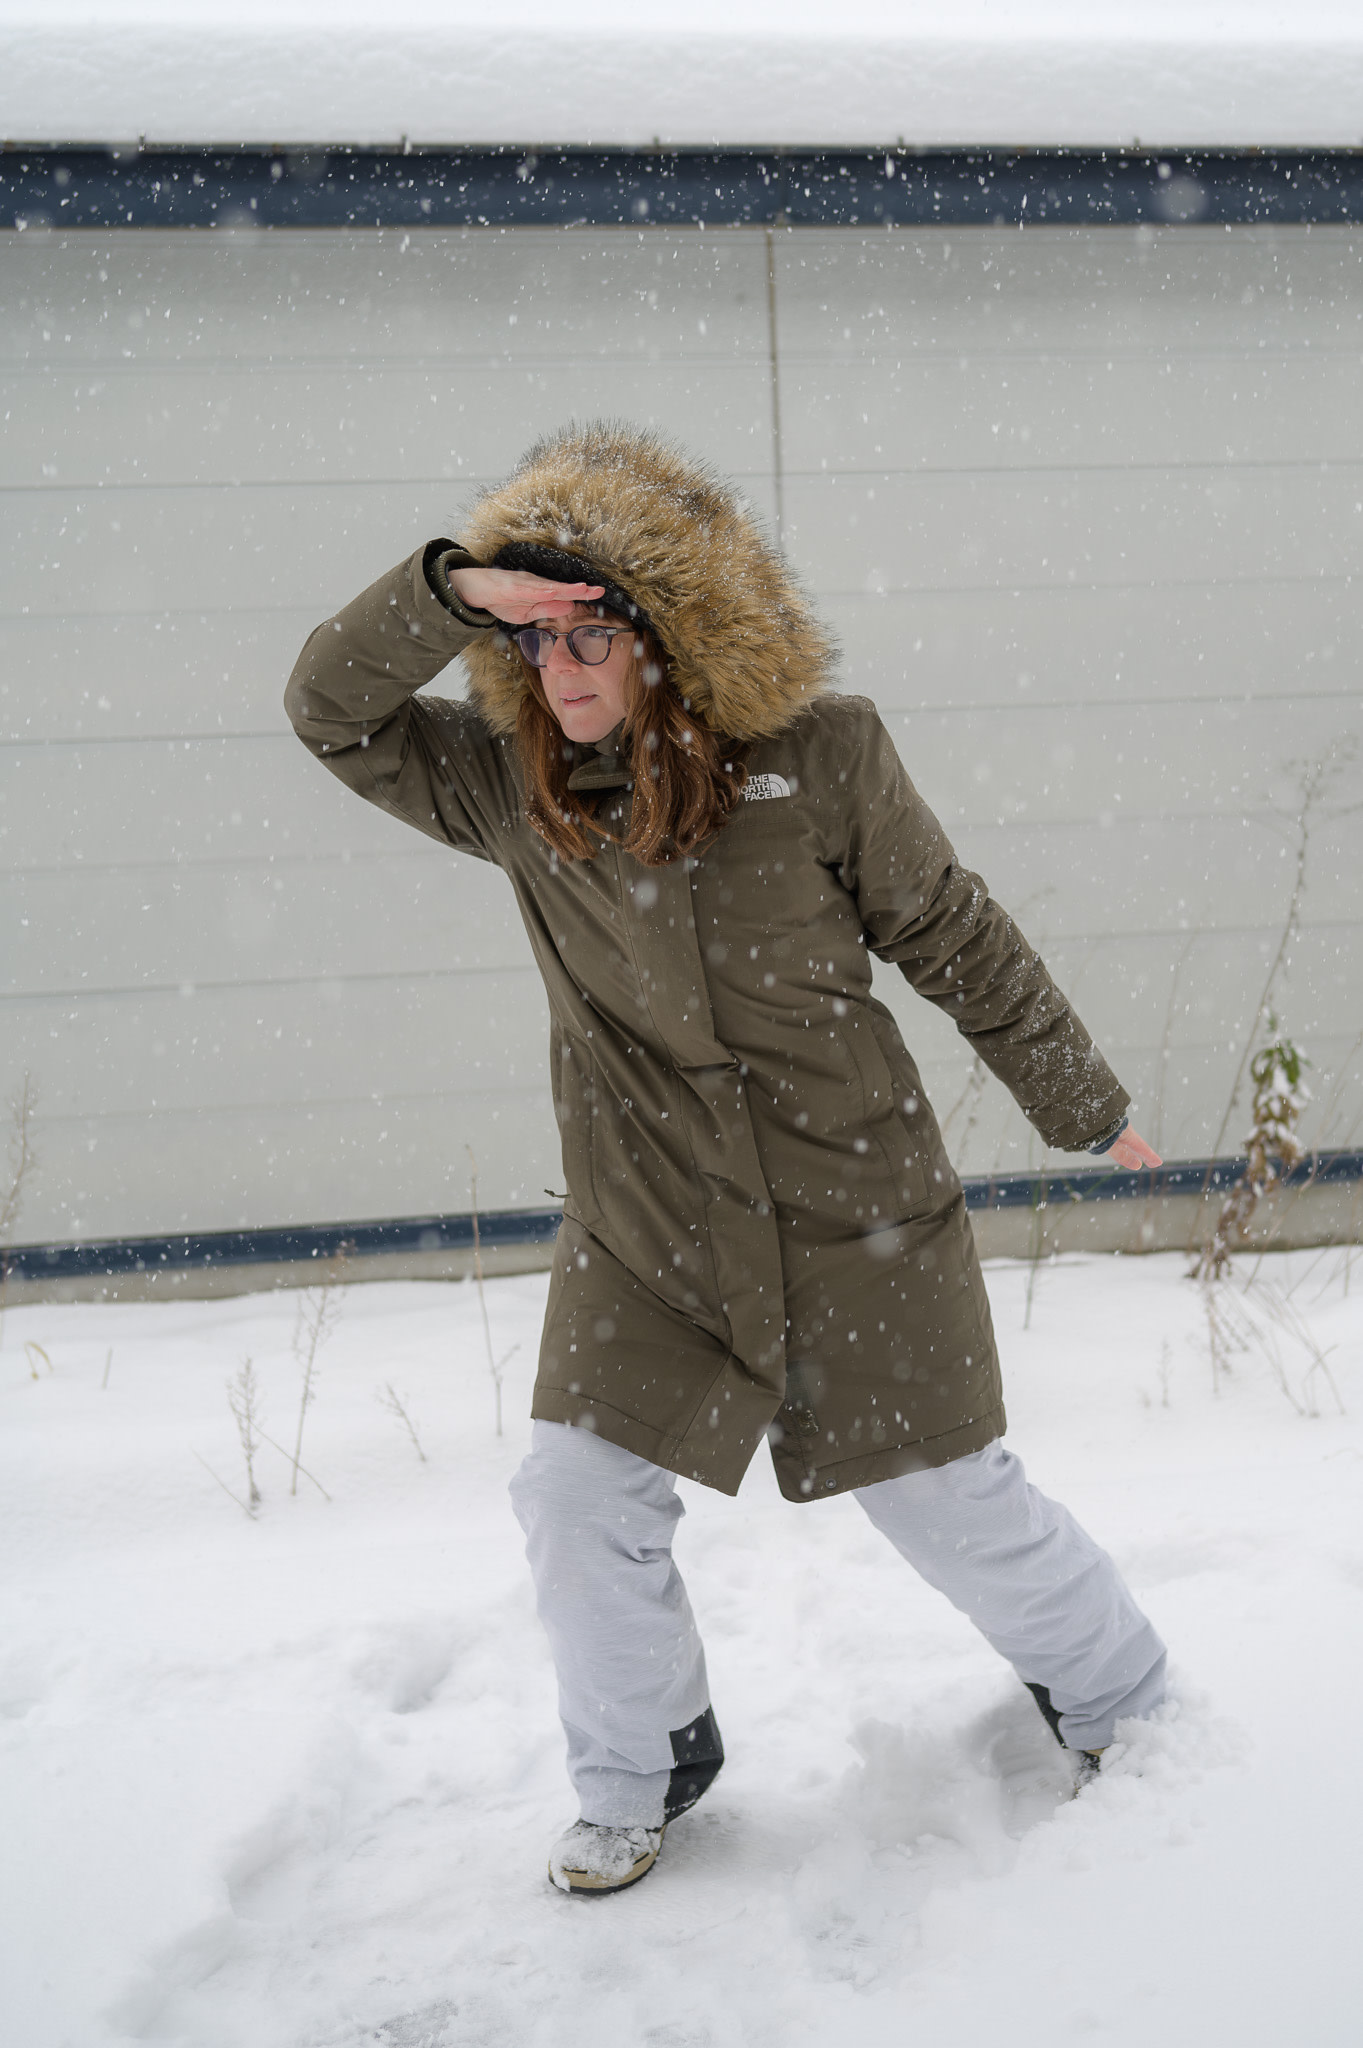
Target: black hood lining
[(560, 567)]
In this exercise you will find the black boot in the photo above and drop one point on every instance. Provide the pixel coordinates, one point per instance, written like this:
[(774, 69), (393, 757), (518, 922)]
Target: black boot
[(698, 1754), (1088, 1762)]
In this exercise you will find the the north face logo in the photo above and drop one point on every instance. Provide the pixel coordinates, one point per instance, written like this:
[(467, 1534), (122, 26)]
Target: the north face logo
[(759, 786)]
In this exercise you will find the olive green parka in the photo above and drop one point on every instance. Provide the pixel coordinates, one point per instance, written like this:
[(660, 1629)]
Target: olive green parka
[(762, 1234)]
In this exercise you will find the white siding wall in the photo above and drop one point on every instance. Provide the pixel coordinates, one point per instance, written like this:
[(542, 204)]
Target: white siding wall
[(1083, 505)]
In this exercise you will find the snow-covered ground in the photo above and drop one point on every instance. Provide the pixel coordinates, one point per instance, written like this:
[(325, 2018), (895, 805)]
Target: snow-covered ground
[(290, 1782)]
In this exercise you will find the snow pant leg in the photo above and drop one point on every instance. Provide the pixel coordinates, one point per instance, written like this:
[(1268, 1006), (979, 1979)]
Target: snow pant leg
[(598, 1525), (1032, 1581)]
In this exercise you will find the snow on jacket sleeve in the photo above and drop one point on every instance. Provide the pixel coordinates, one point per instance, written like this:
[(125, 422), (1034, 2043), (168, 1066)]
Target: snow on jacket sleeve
[(431, 762), (937, 923)]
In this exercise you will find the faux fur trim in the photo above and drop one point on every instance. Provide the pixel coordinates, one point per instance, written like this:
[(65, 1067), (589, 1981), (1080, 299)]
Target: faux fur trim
[(744, 648)]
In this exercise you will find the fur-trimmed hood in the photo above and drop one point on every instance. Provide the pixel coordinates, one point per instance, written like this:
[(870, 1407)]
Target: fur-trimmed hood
[(743, 646)]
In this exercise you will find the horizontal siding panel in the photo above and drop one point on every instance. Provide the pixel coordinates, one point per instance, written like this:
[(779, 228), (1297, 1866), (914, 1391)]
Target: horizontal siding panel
[(1180, 645), (1159, 291), (1071, 412), (149, 801), (182, 674), (1198, 991), (1164, 874), (285, 545), (1172, 761), (261, 546), (343, 1162), (283, 921), (164, 296), (981, 532), (250, 1048), (317, 424), (1194, 992)]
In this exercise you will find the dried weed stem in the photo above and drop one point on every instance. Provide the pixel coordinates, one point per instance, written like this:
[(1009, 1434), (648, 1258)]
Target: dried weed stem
[(496, 1366), (23, 1164), (243, 1398), (319, 1311), (390, 1400)]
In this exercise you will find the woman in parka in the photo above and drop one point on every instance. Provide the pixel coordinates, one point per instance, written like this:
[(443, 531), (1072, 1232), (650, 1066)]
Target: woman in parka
[(763, 1236)]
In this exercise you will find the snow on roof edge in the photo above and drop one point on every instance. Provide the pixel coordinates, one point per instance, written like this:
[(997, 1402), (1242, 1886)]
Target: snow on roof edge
[(290, 87)]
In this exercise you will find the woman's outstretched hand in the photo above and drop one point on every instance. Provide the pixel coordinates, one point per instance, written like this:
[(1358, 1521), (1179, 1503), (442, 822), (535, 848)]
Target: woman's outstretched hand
[(517, 597), (1131, 1150)]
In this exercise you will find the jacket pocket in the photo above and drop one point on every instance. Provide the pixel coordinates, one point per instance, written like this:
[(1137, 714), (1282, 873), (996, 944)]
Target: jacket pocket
[(574, 1087), (887, 1123)]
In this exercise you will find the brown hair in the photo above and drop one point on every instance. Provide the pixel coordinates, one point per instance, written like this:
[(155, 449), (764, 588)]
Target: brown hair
[(686, 778)]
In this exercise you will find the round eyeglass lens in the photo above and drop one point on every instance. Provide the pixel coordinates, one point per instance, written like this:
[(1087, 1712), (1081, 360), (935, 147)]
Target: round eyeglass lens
[(591, 644), (531, 642)]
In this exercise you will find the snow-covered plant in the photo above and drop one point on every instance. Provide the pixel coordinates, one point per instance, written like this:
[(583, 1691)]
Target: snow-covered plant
[(1262, 1319), (319, 1311), (1272, 1147), (243, 1398), (23, 1160)]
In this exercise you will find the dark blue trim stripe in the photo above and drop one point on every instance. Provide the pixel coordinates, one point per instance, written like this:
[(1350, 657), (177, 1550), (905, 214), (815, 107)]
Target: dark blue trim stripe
[(307, 1243), (1114, 1184), (289, 1245), (526, 187)]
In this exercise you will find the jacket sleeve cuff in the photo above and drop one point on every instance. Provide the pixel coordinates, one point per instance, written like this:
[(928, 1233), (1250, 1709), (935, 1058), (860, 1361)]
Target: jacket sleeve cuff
[(1105, 1140), (440, 557)]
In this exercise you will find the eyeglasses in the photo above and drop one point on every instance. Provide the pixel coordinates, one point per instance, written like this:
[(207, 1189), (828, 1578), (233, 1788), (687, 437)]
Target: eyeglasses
[(589, 644)]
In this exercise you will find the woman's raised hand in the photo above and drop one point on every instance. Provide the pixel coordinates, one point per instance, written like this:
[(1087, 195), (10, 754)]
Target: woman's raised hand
[(1132, 1151), (517, 597)]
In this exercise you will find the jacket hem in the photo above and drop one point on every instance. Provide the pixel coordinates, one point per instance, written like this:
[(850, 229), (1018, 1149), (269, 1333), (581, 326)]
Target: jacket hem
[(890, 1461), (673, 1453)]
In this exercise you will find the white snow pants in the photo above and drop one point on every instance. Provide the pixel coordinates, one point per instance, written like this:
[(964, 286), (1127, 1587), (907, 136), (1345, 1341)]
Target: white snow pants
[(599, 1524)]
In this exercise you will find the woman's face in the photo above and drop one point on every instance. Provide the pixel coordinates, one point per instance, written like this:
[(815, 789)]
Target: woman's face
[(587, 702)]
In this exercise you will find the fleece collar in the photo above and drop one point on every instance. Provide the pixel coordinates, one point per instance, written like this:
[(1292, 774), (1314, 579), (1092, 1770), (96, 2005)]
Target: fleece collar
[(604, 771)]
